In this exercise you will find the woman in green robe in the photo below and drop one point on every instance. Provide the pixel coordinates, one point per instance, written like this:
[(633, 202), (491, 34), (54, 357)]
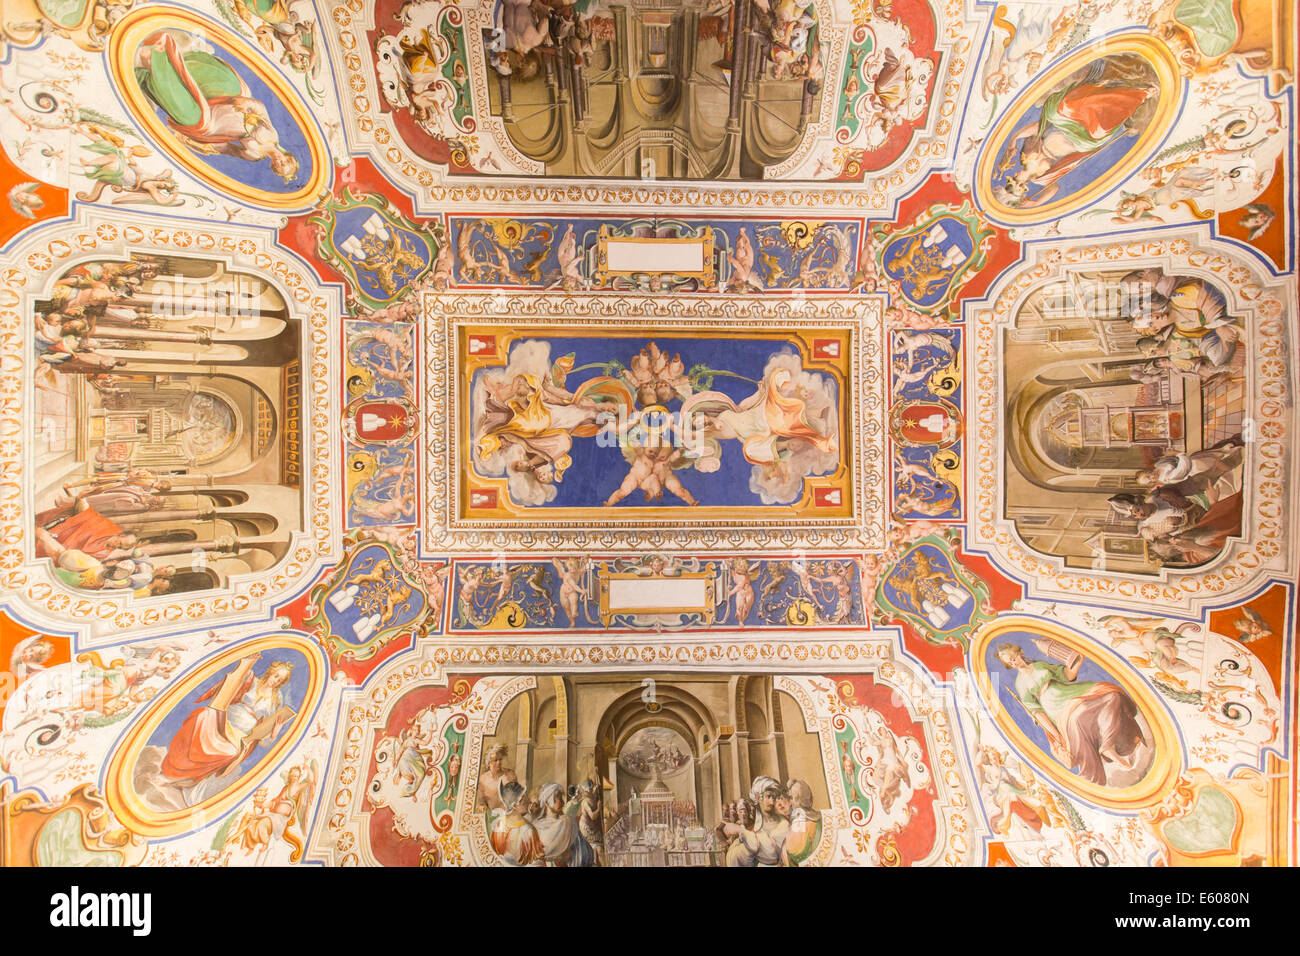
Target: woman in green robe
[(207, 104), (1088, 724)]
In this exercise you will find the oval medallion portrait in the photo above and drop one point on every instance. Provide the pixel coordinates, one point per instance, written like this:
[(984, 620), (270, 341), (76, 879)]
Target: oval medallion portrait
[(216, 107), (209, 739), (1079, 130), (1081, 717)]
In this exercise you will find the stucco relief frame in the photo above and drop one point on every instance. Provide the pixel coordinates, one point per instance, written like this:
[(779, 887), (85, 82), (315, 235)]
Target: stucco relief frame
[(447, 533), (341, 836), (50, 251), (1266, 304)]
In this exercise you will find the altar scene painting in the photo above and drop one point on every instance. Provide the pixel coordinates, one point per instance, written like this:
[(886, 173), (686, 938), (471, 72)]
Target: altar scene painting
[(592, 424), (167, 444), (1126, 403), (673, 90), (659, 771)]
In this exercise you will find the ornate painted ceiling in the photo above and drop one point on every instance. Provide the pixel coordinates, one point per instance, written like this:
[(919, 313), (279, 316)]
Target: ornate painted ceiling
[(734, 433)]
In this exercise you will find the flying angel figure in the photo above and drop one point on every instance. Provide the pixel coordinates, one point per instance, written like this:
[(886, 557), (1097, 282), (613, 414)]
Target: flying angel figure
[(1160, 643), (1257, 218)]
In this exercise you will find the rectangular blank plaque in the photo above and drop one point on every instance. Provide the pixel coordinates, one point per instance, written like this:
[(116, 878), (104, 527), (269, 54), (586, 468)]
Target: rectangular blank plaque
[(649, 255), (654, 594)]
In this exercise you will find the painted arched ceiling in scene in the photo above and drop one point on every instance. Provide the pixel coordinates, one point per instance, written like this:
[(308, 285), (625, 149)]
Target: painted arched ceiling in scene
[(735, 433)]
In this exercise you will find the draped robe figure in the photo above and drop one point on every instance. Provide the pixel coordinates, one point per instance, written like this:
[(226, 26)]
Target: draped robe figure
[(245, 711), (208, 105), (1089, 724), (1074, 124), (512, 835), (765, 423), (87, 531), (562, 841), (538, 419)]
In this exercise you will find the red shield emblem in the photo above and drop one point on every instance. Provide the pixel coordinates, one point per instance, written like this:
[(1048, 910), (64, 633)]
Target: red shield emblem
[(482, 498), (828, 498), (482, 345), (381, 421), (926, 423)]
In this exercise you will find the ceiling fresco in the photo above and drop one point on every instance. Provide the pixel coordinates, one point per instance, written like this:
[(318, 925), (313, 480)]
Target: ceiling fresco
[(648, 433)]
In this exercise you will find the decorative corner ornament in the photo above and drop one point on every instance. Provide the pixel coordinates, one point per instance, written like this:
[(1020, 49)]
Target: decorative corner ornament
[(934, 257), (382, 254)]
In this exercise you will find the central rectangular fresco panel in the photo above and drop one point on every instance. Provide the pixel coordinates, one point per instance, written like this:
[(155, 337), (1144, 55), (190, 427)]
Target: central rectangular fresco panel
[(711, 420), (633, 429)]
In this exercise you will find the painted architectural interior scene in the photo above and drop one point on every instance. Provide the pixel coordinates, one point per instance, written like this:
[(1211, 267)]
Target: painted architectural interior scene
[(648, 433)]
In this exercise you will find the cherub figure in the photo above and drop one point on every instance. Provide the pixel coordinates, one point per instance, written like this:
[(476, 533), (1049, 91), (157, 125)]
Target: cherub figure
[(571, 277), (24, 200), (890, 773), (1159, 643), (571, 571), (742, 588), (652, 471), (471, 579), (743, 276), (1251, 626)]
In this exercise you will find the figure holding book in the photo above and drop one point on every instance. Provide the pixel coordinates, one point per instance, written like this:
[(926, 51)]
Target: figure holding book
[(1091, 726), (242, 713)]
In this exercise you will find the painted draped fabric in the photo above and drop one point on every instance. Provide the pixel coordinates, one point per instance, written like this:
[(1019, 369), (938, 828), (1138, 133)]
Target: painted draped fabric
[(185, 85), (1092, 716), (210, 739), (1090, 116)]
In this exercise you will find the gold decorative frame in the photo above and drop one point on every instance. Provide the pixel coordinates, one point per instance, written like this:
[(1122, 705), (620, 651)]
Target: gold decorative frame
[(135, 27), (1167, 764), (1153, 52), (707, 275), (448, 531), (707, 610)]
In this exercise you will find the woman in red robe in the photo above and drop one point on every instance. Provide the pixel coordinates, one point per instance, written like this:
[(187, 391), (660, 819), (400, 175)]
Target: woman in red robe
[(245, 711)]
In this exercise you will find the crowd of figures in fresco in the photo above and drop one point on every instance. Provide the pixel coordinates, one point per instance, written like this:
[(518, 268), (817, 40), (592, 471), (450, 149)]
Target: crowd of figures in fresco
[(163, 385), (1192, 499), (775, 825), (1164, 418), (766, 829), (738, 433)]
